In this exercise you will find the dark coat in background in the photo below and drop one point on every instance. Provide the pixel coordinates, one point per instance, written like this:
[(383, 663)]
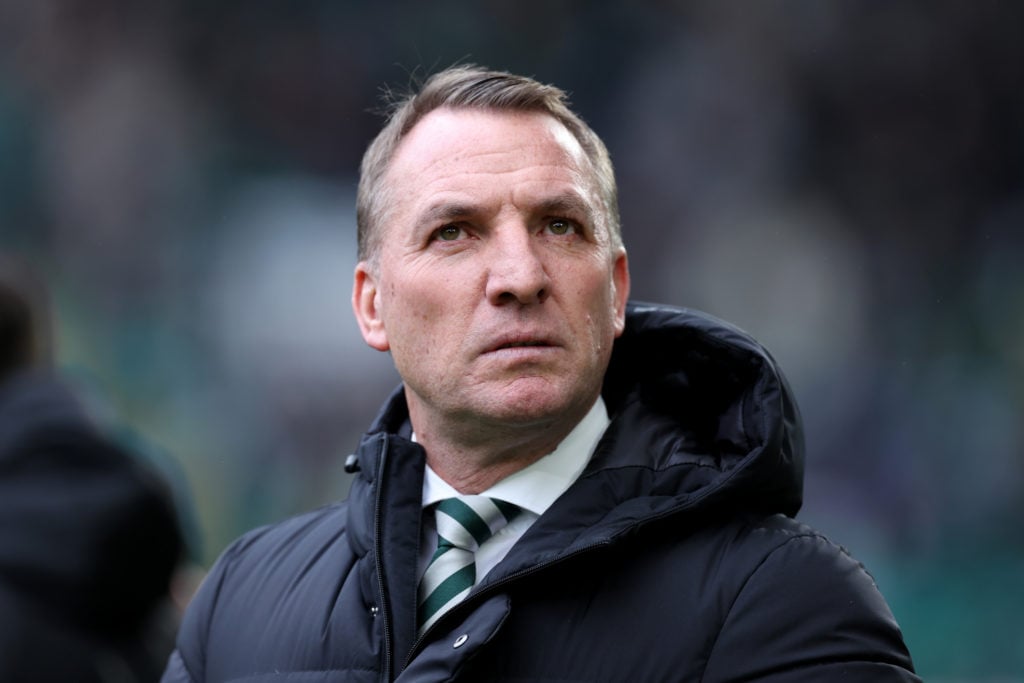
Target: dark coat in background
[(674, 557), (89, 540)]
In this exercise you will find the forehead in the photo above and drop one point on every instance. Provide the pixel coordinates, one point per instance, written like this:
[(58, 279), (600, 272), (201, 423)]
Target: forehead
[(453, 145)]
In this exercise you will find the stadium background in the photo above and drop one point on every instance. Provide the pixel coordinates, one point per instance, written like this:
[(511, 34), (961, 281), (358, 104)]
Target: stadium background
[(845, 180)]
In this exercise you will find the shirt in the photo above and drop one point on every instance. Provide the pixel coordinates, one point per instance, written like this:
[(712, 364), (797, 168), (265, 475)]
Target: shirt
[(533, 489)]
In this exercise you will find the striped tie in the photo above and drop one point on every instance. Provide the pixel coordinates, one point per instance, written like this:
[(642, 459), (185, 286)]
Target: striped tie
[(463, 524)]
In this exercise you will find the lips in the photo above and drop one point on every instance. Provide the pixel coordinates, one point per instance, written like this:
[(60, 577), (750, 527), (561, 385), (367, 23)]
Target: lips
[(519, 341), (516, 345)]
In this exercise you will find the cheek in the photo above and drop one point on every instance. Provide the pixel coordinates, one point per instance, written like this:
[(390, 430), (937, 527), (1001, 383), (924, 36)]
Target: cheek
[(596, 303), (419, 314), (596, 292)]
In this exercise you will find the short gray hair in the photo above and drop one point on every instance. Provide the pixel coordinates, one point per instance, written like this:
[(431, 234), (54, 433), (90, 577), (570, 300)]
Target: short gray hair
[(472, 87)]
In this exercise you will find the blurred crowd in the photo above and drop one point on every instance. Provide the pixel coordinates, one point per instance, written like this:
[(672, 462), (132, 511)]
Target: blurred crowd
[(844, 180)]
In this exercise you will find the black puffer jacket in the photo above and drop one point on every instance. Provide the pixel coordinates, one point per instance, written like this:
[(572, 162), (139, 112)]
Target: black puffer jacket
[(673, 558)]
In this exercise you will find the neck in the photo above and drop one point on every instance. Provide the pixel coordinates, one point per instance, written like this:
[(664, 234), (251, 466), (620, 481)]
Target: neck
[(473, 459)]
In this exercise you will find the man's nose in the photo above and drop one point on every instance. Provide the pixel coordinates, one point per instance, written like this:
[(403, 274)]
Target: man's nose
[(516, 271)]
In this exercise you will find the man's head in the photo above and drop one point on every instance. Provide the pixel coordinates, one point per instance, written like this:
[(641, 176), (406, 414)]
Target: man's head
[(471, 87), (495, 275)]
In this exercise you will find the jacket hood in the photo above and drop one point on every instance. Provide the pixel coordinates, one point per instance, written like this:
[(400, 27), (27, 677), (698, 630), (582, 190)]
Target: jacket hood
[(705, 409)]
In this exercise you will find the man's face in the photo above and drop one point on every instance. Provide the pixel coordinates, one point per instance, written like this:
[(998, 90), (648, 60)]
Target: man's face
[(496, 287)]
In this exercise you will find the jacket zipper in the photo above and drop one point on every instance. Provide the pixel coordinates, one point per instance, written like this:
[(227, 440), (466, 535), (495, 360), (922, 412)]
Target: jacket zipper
[(377, 545)]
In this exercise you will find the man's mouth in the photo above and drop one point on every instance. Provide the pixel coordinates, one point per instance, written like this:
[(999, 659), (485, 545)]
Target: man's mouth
[(515, 345), (520, 341)]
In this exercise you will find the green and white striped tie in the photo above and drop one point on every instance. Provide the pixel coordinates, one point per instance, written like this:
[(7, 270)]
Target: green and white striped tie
[(463, 524)]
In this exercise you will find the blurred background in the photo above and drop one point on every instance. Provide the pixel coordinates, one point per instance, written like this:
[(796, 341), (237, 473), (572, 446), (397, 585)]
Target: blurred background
[(844, 180)]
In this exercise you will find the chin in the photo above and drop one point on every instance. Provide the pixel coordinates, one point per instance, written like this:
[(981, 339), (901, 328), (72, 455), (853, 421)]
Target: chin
[(522, 406)]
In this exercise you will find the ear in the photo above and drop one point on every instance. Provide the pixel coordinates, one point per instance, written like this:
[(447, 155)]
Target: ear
[(366, 305), (620, 290)]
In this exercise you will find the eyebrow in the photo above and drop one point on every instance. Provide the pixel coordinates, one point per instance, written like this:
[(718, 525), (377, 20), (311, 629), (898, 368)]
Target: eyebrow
[(446, 211), (567, 203)]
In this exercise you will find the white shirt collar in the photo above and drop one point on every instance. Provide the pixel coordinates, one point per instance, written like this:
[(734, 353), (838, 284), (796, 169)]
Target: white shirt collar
[(536, 487)]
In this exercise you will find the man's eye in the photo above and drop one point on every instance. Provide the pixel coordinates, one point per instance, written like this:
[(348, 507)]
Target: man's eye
[(560, 227), (449, 233)]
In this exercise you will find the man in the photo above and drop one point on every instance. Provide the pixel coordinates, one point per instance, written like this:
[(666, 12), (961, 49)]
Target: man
[(623, 476), (89, 536)]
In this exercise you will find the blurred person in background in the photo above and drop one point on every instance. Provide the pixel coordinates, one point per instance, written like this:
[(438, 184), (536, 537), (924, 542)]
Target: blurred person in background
[(89, 537), (566, 486)]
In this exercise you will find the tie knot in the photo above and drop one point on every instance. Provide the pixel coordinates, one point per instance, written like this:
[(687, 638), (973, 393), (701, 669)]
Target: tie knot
[(467, 521)]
